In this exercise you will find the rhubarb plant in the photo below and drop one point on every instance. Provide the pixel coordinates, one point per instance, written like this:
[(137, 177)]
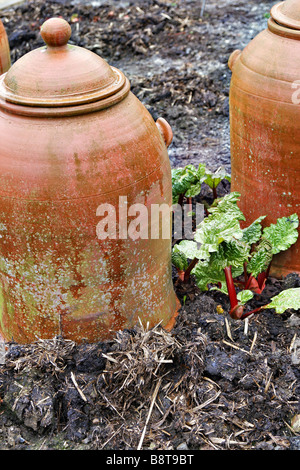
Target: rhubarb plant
[(224, 256), (187, 181), (213, 179)]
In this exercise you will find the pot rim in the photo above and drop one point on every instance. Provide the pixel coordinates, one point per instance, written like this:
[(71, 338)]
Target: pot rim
[(282, 19), (58, 111), (77, 99), (281, 30)]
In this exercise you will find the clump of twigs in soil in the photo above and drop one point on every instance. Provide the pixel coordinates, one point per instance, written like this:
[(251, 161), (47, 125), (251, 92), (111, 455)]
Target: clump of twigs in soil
[(50, 355), (152, 374), (143, 357)]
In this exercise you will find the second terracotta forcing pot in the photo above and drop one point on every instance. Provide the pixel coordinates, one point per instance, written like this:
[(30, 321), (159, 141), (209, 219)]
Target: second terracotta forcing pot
[(4, 50), (265, 125), (74, 140)]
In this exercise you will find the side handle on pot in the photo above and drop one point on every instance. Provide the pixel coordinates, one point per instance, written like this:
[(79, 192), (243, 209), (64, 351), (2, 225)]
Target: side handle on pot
[(165, 130), (5, 61), (233, 58)]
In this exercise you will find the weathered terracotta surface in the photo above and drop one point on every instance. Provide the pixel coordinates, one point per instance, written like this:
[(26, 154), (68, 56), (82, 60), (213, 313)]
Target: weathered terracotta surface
[(70, 141), (265, 125), (4, 50)]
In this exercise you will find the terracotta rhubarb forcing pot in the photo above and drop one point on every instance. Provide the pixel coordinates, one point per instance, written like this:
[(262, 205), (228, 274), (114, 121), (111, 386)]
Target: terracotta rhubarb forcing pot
[(4, 50), (265, 125), (74, 143)]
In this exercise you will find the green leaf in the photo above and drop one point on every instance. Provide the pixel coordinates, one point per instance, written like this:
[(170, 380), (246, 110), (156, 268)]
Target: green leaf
[(211, 232), (201, 171), (244, 296), (179, 260), (187, 181), (212, 273), (191, 250), (221, 225), (289, 298), (236, 253), (182, 178), (283, 234), (260, 258), (227, 205), (195, 188), (252, 233), (214, 179)]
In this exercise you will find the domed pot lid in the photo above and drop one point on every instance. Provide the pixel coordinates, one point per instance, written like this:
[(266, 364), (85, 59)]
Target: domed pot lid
[(59, 74), (287, 13)]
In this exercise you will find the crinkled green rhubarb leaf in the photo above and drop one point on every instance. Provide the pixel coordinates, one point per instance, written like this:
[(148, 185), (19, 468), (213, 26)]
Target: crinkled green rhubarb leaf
[(182, 178), (212, 273), (213, 179), (227, 205), (211, 232), (191, 250), (252, 233), (260, 258), (283, 234), (179, 260), (221, 225), (244, 296), (236, 253), (187, 181), (195, 188), (289, 298)]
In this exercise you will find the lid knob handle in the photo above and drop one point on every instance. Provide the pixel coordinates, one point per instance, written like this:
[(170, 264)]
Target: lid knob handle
[(56, 32)]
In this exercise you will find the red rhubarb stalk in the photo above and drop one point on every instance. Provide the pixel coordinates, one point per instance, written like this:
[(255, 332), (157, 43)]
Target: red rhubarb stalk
[(247, 314), (248, 283), (236, 310), (262, 277), (230, 287), (180, 274), (245, 273), (180, 199), (189, 269)]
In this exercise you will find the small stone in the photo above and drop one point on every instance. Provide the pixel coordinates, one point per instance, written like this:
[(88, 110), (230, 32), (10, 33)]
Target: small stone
[(295, 357), (294, 320), (2, 351), (295, 443), (182, 446), (295, 422), (13, 436), (87, 440)]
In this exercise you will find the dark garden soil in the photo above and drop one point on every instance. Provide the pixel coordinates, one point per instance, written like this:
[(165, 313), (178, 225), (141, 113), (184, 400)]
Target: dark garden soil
[(212, 383)]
